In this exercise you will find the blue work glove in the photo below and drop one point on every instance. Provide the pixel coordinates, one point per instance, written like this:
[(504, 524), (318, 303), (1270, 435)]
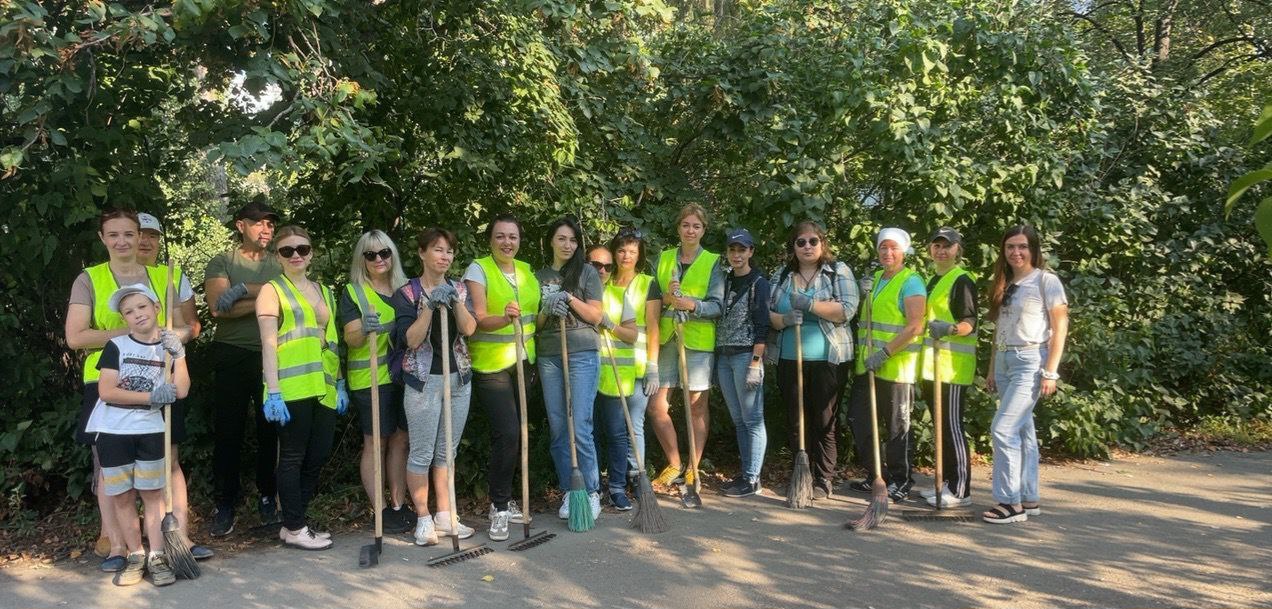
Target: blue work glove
[(755, 376), (163, 395), (276, 409), (801, 302), (230, 296), (172, 344), (938, 329), (650, 383), (342, 397), (877, 359), (371, 323), (792, 318), (442, 296)]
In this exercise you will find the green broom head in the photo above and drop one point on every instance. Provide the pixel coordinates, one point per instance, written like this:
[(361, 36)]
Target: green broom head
[(799, 493), (648, 517), (179, 555), (580, 509)]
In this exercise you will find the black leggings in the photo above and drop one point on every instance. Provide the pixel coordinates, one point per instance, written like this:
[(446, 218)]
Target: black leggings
[(304, 444), (497, 393), (823, 386)]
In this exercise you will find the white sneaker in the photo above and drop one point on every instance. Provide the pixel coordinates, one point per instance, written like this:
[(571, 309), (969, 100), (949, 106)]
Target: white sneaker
[(282, 534), (425, 532), (443, 528), (928, 492), (514, 514), (594, 501), (949, 500), (304, 539), (564, 512), (499, 523)]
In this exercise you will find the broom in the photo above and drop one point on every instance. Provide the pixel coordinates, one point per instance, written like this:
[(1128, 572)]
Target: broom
[(878, 508), (174, 546), (580, 511), (799, 493), (648, 517)]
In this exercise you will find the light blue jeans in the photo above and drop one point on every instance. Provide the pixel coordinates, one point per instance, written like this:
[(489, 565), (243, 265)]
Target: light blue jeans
[(618, 450), (584, 369), (746, 408), (1015, 475)]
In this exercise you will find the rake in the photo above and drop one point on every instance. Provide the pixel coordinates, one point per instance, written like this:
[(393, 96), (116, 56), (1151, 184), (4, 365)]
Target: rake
[(937, 514), (542, 537)]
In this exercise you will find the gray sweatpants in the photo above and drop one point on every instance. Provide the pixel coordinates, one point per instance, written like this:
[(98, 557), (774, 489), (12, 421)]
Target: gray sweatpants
[(424, 423)]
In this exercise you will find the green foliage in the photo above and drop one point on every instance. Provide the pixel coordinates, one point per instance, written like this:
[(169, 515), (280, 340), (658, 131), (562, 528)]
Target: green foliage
[(1263, 213)]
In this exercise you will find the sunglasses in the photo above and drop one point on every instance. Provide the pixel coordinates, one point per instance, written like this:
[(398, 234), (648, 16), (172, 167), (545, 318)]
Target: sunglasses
[(383, 254), (287, 251), (810, 242), (631, 233), (608, 267), (1007, 294)]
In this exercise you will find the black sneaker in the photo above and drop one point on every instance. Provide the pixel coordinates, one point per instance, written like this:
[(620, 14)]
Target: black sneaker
[(741, 487), (822, 490), (408, 515), (862, 486), (269, 511), (222, 522), (898, 493), (393, 520)]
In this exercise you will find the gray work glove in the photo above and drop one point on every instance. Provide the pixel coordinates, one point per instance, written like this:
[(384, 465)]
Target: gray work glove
[(801, 302), (755, 376), (606, 324), (651, 382), (442, 296), (371, 323), (867, 284), (877, 359), (163, 395), (679, 316), (556, 304), (938, 329), (792, 318), (230, 296), (172, 344)]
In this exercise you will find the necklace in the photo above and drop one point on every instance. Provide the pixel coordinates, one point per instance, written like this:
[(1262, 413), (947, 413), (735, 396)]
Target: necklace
[(808, 281)]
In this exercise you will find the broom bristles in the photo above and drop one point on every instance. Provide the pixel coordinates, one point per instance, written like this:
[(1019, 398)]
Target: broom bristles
[(179, 555), (799, 493), (580, 509), (649, 517), (875, 512)]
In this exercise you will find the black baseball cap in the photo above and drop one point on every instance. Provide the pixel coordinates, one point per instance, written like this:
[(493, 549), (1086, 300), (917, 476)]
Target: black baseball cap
[(947, 234), (741, 236), (256, 210)]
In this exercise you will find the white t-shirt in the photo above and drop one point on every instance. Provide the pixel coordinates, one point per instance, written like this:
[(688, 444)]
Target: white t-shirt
[(1025, 318), (140, 367), (477, 275)]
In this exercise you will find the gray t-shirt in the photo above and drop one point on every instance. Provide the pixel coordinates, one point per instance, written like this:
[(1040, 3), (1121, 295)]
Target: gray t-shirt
[(1024, 318), (579, 335), (241, 331)]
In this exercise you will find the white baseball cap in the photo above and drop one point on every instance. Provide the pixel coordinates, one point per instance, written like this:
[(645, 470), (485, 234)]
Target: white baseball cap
[(149, 222), (129, 290), (895, 235)]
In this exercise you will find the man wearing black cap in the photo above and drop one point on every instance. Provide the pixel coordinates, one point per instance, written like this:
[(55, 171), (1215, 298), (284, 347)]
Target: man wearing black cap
[(231, 282)]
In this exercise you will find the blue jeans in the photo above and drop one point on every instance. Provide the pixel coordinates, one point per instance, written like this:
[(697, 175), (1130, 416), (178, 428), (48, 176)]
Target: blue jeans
[(614, 428), (1015, 475), (746, 408), (584, 369)]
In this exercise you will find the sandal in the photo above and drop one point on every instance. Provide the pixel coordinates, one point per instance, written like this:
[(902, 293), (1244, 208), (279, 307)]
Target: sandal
[(1032, 509), (1004, 513)]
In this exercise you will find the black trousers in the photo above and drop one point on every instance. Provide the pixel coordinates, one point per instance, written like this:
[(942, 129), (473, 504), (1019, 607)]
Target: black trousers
[(956, 466), (497, 393), (893, 401), (238, 387), (823, 386), (304, 444)]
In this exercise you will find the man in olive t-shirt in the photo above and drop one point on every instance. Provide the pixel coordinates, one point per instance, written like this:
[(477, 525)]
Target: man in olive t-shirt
[(231, 282)]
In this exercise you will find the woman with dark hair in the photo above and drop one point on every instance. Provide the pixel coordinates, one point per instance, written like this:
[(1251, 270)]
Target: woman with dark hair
[(571, 290), (632, 304), (1031, 315), (419, 306), (741, 339), (817, 294), (502, 290)]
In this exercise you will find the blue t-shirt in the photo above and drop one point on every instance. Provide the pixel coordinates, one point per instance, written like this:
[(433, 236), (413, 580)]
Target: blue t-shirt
[(815, 343), (912, 287)]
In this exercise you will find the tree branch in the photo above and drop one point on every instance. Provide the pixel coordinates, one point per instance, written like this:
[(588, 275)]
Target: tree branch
[(1220, 43), (1113, 39)]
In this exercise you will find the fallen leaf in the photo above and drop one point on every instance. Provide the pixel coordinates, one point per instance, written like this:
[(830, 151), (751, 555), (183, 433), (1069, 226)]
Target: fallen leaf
[(488, 578)]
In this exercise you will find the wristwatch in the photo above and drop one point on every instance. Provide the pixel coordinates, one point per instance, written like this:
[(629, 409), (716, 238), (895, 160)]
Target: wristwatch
[(1050, 376), (755, 358)]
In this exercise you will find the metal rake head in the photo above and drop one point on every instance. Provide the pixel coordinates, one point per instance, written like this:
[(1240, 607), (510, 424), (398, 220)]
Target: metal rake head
[(937, 516), (461, 556), (537, 539)]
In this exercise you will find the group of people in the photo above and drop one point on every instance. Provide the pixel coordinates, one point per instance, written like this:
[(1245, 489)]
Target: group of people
[(590, 326)]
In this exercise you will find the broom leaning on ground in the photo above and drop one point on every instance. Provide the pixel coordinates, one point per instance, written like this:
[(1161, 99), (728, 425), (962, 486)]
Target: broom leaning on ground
[(648, 517), (799, 493), (878, 508), (580, 509), (174, 546)]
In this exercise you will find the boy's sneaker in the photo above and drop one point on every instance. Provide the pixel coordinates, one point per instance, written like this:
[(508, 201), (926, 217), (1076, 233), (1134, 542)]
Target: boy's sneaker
[(304, 539), (741, 487), (222, 522), (514, 514), (425, 532), (564, 512), (620, 501), (268, 508), (594, 502), (929, 492), (133, 571), (443, 528), (499, 523), (948, 499), (668, 476), (862, 486), (160, 571)]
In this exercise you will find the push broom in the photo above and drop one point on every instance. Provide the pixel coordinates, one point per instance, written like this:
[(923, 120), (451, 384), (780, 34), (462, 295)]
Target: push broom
[(878, 508), (174, 546), (527, 541), (799, 493), (648, 517)]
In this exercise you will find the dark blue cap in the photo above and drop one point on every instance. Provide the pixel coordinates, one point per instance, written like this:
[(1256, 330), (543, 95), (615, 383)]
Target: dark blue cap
[(740, 236)]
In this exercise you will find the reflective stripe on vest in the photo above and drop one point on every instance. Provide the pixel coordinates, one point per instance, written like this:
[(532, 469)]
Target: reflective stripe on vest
[(359, 358), (497, 350), (699, 333), (307, 361), (103, 282), (631, 358), (888, 320), (958, 353)]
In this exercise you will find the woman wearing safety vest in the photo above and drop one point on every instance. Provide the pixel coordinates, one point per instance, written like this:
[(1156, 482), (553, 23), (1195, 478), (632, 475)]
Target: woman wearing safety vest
[(303, 388), (693, 294), (951, 319), (90, 324), (816, 293), (420, 306), (365, 306), (898, 306), (502, 289), (571, 291), (1031, 322), (633, 304)]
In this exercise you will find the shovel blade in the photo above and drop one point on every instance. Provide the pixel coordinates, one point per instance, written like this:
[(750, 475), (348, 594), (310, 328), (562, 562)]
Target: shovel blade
[(369, 556)]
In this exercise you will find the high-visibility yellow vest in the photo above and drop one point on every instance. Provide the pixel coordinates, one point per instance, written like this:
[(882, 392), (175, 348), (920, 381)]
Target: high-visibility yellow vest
[(958, 353), (497, 350), (630, 357), (699, 333), (307, 361), (888, 319), (103, 282), (359, 358)]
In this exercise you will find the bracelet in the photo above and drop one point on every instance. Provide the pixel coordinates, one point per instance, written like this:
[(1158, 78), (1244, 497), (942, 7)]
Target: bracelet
[(1050, 376)]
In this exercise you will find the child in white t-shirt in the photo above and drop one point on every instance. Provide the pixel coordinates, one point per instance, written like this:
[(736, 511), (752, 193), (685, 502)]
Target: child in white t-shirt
[(128, 425)]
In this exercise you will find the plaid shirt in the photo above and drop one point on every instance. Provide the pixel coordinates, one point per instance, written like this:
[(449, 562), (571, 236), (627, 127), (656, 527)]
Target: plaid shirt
[(833, 282)]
